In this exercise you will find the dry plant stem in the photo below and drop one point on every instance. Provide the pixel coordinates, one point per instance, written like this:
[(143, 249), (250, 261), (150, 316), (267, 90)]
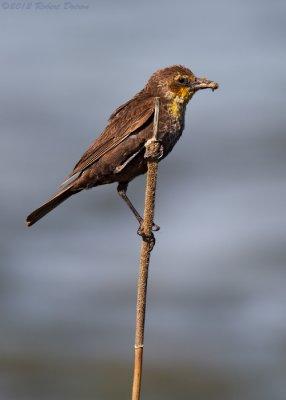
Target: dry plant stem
[(148, 241)]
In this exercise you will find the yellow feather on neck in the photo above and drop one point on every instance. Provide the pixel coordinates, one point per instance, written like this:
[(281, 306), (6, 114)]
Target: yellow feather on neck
[(179, 99)]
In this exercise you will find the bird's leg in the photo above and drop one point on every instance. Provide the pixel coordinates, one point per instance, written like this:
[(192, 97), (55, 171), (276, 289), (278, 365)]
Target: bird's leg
[(122, 189)]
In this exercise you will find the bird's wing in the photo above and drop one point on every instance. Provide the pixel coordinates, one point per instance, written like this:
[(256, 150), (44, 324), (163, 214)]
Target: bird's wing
[(124, 122), (139, 95)]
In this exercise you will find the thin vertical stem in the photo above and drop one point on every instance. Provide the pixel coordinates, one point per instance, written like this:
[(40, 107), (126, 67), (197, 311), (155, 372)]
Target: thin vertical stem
[(148, 241)]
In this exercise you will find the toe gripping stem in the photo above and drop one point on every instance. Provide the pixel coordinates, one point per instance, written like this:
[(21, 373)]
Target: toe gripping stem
[(148, 238), (153, 152)]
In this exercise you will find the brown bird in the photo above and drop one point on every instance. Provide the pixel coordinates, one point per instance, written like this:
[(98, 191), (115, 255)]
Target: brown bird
[(117, 155)]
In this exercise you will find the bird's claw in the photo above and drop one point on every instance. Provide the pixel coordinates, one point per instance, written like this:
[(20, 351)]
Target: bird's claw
[(147, 238), (154, 149), (155, 227)]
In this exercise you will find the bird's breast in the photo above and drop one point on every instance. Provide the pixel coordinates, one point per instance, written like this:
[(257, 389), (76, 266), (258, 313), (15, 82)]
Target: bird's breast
[(170, 122), (170, 134)]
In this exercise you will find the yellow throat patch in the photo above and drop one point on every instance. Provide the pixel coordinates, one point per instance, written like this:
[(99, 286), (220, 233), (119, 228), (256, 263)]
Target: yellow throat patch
[(179, 99)]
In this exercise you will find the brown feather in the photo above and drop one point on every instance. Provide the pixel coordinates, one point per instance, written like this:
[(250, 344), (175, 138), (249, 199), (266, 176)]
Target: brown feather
[(117, 155), (56, 200), (132, 117)]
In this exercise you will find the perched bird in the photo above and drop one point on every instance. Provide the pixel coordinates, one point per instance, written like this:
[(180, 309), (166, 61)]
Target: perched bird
[(117, 155)]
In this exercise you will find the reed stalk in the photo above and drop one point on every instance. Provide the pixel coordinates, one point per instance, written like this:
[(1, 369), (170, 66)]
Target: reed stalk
[(152, 154)]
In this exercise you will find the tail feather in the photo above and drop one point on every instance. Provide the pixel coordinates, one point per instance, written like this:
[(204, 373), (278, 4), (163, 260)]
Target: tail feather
[(49, 206)]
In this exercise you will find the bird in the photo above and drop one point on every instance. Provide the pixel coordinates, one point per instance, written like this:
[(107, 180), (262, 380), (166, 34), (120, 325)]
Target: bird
[(117, 155)]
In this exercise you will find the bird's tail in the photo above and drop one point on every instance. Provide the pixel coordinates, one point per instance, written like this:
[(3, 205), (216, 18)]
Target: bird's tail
[(56, 200)]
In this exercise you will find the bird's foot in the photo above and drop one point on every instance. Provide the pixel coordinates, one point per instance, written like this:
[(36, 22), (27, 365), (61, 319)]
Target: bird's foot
[(155, 227), (154, 149), (147, 238)]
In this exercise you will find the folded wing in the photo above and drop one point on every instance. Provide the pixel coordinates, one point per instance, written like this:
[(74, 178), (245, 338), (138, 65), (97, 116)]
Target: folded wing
[(125, 121)]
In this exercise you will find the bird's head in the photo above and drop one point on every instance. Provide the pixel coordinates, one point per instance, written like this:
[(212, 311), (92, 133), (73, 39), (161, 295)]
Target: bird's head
[(177, 84)]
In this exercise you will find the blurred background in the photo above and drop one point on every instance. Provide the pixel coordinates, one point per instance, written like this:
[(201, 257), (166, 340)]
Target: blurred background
[(216, 321)]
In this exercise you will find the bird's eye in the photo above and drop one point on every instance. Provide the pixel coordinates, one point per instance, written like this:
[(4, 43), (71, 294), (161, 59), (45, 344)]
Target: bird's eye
[(183, 80)]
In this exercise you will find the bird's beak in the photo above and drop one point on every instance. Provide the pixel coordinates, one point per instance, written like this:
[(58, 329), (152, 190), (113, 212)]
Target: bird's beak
[(203, 83)]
